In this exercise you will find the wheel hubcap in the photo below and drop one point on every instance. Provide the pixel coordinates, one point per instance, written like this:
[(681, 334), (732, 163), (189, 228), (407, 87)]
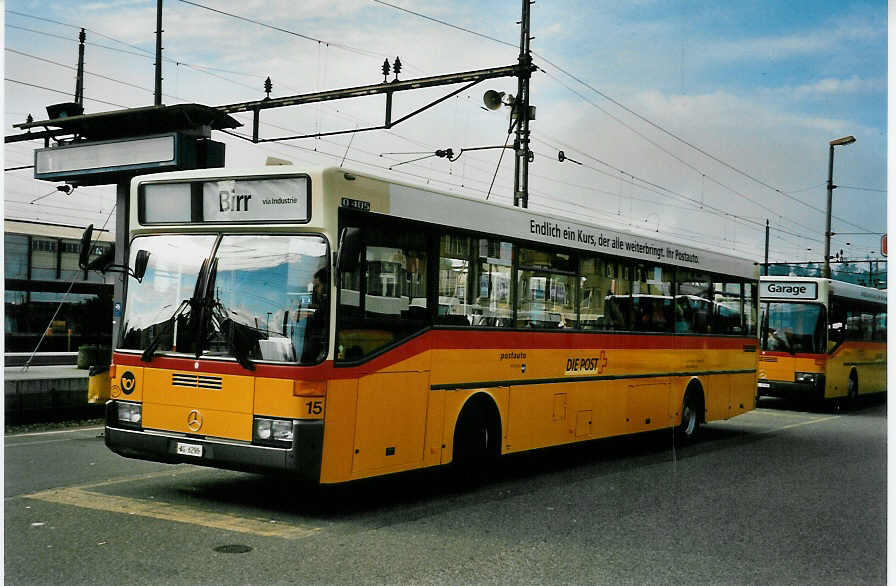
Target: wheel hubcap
[(690, 420)]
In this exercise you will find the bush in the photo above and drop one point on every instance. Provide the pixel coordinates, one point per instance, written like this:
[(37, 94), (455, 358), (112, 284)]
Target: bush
[(94, 356)]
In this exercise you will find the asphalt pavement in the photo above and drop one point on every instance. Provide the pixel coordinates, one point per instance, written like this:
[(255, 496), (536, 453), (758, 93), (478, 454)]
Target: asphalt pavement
[(773, 496)]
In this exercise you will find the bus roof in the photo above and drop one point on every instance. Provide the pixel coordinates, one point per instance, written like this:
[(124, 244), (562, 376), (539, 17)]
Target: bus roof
[(413, 202), (451, 209)]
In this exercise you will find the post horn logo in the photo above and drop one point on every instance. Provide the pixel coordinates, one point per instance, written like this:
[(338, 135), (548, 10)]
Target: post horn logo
[(194, 420), (128, 382)]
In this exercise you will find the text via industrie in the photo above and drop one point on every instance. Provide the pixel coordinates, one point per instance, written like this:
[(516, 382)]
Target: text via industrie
[(600, 240)]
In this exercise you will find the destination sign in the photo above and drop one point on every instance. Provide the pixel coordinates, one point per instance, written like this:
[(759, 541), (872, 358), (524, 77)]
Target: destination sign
[(273, 199), (788, 290), (256, 200)]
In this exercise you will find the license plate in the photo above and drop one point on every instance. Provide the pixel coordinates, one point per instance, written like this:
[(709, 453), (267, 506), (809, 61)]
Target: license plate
[(764, 385), (189, 450)]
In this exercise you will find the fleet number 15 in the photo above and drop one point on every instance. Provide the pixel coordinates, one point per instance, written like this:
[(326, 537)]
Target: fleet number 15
[(315, 407)]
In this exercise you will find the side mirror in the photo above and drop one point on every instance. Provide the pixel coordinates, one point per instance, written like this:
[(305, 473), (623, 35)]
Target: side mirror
[(140, 264), (103, 261), (349, 255), (86, 241)]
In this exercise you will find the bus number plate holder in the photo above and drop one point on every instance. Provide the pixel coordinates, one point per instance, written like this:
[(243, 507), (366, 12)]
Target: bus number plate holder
[(189, 450)]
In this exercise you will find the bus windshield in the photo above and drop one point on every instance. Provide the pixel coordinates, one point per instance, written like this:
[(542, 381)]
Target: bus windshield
[(793, 327), (261, 297)]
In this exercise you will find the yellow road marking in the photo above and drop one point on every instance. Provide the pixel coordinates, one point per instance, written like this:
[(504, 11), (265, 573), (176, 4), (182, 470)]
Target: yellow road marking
[(79, 496)]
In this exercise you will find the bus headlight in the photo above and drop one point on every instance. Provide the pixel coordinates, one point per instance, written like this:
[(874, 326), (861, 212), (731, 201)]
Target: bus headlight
[(281, 431), (272, 431), (806, 378), (263, 429), (130, 413)]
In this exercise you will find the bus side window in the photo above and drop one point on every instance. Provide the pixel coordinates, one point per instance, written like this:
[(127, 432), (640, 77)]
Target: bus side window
[(545, 290), (693, 303), (836, 325), (751, 305), (728, 308), (605, 294), (880, 327), (867, 325), (384, 300), (454, 282), (493, 264)]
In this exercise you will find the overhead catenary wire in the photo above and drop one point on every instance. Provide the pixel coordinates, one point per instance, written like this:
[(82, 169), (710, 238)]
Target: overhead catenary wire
[(131, 45), (198, 68), (86, 72), (342, 46), (142, 52), (49, 89), (750, 224), (687, 235), (64, 297), (702, 204), (467, 31), (427, 179), (630, 111), (659, 187), (682, 161), (667, 190), (446, 23)]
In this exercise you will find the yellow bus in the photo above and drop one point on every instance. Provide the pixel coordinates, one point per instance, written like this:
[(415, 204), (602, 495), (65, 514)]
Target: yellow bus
[(336, 326), (821, 339)]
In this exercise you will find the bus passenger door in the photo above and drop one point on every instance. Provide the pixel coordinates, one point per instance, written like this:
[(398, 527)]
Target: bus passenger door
[(391, 422)]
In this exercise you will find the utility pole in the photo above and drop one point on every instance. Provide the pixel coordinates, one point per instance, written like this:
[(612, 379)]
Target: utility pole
[(521, 144), (158, 92), (765, 265), (79, 80)]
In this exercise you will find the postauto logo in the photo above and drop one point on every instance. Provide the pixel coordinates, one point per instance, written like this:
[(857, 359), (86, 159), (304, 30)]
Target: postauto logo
[(128, 382)]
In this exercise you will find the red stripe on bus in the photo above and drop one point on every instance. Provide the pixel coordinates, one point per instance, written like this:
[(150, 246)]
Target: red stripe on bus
[(851, 344), (789, 355), (449, 340)]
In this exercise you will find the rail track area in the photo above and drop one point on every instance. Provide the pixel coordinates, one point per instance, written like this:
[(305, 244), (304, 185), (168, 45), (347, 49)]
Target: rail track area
[(776, 495)]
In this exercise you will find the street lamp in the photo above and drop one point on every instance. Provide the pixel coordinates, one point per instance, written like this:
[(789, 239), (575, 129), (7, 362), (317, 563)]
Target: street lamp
[(831, 187)]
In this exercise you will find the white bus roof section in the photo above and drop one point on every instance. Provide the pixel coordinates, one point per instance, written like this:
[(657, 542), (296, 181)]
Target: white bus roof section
[(501, 220), (838, 288), (418, 203)]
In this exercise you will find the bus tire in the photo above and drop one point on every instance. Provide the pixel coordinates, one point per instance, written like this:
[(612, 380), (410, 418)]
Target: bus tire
[(691, 415), (476, 441), (852, 392)]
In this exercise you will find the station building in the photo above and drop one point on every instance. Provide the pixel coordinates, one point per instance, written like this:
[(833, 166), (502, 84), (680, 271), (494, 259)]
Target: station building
[(46, 293)]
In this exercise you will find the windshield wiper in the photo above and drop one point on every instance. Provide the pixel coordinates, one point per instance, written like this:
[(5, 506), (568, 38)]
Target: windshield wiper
[(150, 350), (154, 344), (235, 334), (239, 337)]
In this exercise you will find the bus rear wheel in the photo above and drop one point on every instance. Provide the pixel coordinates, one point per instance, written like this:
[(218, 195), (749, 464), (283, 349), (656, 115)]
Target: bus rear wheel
[(475, 446), (852, 391), (689, 428)]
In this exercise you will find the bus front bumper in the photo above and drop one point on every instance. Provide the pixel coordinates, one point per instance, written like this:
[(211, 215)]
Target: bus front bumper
[(791, 390), (302, 458)]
